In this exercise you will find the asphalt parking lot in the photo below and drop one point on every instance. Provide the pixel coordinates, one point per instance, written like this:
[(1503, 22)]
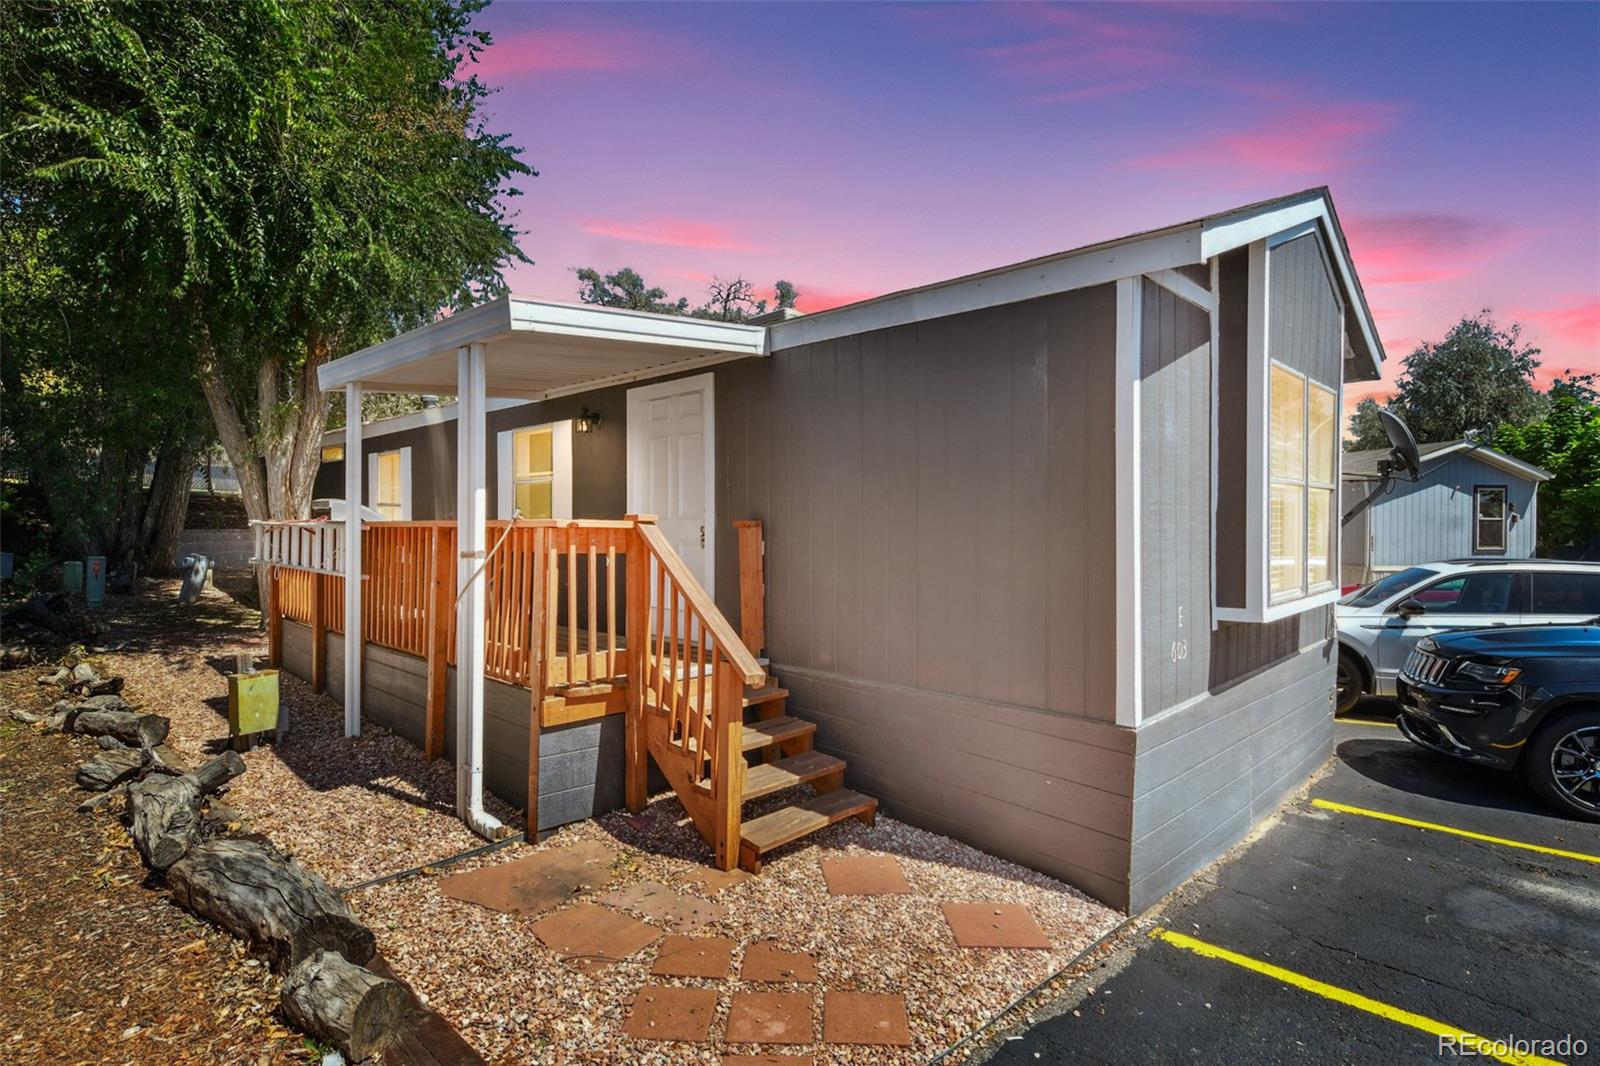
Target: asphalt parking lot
[(1338, 935)]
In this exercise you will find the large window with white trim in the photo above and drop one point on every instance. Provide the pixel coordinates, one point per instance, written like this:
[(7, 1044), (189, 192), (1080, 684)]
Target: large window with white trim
[(1302, 442)]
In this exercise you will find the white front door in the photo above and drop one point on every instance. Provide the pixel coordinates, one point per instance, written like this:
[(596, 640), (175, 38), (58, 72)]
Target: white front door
[(670, 471)]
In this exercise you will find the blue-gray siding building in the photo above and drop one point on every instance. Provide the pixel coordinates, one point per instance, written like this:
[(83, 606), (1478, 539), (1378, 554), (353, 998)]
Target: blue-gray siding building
[(1468, 502)]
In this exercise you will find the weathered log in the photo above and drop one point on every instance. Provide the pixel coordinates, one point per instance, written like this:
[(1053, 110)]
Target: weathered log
[(108, 702), (343, 1004), (254, 891), (111, 768), (94, 803), (133, 729), (107, 686), (165, 810), (61, 676), (25, 717), (109, 743), (163, 760), (81, 677)]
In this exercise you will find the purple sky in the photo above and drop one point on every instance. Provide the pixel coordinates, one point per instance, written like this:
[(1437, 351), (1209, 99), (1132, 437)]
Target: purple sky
[(855, 149)]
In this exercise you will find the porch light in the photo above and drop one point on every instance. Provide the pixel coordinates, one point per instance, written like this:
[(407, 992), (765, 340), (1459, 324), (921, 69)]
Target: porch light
[(586, 421)]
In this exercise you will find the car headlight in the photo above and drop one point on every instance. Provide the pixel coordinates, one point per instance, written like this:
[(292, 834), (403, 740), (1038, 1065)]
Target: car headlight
[(1488, 673)]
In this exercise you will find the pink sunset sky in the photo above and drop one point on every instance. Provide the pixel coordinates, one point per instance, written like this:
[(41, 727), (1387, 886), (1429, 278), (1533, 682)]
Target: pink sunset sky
[(855, 149)]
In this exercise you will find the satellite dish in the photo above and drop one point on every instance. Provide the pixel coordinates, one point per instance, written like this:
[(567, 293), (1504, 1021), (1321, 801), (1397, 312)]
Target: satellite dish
[(1403, 444), (1403, 456)]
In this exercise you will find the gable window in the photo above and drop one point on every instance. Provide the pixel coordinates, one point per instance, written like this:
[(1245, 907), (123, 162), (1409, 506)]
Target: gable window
[(534, 471), (1489, 519), (389, 484), (1301, 446)]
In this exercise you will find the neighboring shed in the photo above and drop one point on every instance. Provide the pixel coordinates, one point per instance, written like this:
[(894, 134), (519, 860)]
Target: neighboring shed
[(1469, 502)]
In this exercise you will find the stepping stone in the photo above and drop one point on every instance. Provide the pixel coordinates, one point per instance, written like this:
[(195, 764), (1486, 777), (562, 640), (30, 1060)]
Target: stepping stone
[(679, 912), (864, 875), (540, 882), (769, 1018), (694, 956), (710, 880), (767, 1060), (994, 925), (587, 936), (664, 1013), (865, 1018), (765, 961)]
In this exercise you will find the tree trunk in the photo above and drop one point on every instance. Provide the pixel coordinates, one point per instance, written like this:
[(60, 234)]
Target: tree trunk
[(166, 509), (252, 890), (343, 1004), (166, 810), (133, 729)]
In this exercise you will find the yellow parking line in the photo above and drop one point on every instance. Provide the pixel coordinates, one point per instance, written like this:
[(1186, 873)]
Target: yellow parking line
[(1344, 808), (1365, 721), (1463, 1040)]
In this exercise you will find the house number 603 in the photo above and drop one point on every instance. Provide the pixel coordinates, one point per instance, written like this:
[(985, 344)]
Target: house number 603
[(1180, 650)]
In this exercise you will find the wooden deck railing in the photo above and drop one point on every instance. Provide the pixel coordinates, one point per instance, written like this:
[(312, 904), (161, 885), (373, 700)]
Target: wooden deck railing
[(594, 617)]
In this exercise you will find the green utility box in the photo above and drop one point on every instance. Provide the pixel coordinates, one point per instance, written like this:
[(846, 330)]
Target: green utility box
[(252, 702)]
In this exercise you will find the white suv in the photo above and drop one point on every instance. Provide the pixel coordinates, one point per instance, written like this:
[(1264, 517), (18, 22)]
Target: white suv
[(1381, 622)]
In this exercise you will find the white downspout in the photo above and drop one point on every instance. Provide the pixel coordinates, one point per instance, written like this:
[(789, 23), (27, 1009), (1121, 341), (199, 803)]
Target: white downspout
[(472, 514), (353, 466)]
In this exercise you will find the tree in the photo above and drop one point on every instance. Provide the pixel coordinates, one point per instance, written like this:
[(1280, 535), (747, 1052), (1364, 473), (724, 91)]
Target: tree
[(787, 295), (294, 180), (626, 289), (1478, 376), (1566, 442), (1366, 431)]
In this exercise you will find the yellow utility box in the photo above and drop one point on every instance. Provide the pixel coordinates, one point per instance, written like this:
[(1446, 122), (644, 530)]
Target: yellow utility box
[(252, 702)]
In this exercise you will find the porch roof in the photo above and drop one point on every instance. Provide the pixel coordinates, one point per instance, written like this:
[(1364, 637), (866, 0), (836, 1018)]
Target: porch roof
[(535, 349)]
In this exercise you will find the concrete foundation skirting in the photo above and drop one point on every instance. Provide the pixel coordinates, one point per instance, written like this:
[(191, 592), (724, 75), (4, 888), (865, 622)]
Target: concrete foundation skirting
[(580, 765)]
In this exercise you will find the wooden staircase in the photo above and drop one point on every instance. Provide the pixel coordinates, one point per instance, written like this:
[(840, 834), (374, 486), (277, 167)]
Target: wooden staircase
[(704, 710)]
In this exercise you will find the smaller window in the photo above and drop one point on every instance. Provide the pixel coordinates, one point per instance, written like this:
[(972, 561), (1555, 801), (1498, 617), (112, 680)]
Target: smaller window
[(1565, 593), (533, 472), (388, 491), (1489, 526), (333, 453)]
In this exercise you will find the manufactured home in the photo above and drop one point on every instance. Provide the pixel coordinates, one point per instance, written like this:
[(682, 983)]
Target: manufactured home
[(1043, 558), (1468, 501)]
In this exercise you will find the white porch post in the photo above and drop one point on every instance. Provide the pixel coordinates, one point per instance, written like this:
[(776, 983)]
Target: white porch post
[(353, 465), (472, 512)]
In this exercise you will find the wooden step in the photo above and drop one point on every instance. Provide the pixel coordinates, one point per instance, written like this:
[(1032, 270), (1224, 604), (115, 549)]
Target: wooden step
[(758, 735), (761, 835), (767, 777), (753, 696)]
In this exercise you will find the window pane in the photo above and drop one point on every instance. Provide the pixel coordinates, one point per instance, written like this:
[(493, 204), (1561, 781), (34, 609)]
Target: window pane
[(1319, 505), (333, 453), (1492, 503), (1324, 435), (1485, 594), (1443, 596), (533, 453), (1286, 539), (391, 511), (1566, 594), (1491, 534), (533, 499), (1288, 434), (388, 488)]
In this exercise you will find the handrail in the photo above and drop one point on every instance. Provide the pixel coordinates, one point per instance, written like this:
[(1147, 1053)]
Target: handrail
[(727, 640)]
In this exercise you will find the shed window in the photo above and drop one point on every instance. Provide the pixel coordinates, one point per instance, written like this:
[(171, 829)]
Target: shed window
[(533, 472), (1301, 443), (1489, 526)]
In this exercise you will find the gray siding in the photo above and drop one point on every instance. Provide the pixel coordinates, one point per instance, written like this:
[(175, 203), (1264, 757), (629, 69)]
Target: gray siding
[(1305, 317), (580, 765), (1175, 498), (1433, 518), (938, 500)]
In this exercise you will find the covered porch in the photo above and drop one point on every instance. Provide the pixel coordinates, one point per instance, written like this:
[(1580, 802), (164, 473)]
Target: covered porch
[(590, 617)]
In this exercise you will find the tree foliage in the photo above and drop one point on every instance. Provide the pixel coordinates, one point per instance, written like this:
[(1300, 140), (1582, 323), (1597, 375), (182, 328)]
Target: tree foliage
[(1565, 440), (289, 182), (1477, 377), (727, 300)]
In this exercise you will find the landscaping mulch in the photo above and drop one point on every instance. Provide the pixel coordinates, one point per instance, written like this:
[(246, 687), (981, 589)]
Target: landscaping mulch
[(94, 966)]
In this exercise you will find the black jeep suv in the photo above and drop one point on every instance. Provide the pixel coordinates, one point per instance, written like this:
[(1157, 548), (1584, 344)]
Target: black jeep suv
[(1523, 697)]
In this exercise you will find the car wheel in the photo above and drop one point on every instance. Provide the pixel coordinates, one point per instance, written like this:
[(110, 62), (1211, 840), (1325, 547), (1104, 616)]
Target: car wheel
[(1349, 690), (1562, 764)]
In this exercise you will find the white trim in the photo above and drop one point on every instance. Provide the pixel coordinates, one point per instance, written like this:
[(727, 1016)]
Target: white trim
[(428, 416), (405, 480), (1236, 229), (1276, 611), (1096, 265), (560, 461), (1478, 520), (1495, 458), (353, 636), (472, 512), (1129, 630), (1185, 289), (635, 483), (649, 373), (1216, 382), (1258, 430)]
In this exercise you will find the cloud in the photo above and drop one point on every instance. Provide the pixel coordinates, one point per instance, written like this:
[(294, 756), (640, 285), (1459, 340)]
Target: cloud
[(814, 298), (672, 232), (558, 50), (1422, 247), (1575, 324), (1305, 141)]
